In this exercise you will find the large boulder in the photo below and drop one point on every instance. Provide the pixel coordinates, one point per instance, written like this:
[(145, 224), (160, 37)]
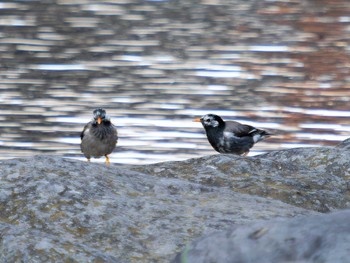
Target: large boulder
[(321, 238), (63, 210), (312, 178)]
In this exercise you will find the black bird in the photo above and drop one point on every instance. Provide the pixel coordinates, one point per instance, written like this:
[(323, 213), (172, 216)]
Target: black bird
[(99, 137), (230, 136)]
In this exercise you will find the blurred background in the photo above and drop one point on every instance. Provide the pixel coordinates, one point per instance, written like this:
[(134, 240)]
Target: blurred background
[(280, 65)]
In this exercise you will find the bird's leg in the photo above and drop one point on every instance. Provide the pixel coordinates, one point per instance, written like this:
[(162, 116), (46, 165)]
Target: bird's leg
[(88, 159), (107, 160), (245, 154)]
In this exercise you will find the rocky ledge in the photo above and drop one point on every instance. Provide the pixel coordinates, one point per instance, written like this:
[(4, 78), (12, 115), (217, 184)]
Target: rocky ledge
[(321, 238), (62, 210)]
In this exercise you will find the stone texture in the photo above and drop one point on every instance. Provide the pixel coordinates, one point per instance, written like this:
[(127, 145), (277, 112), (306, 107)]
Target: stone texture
[(312, 178), (320, 238), (62, 210)]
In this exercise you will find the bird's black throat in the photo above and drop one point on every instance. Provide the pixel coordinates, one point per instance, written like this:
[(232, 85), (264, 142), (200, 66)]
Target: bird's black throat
[(101, 130), (215, 135)]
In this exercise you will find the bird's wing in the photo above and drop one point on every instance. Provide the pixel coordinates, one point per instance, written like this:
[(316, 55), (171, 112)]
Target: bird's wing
[(86, 127), (238, 129)]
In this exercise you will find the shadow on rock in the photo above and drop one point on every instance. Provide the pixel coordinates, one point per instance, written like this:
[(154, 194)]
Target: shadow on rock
[(321, 238)]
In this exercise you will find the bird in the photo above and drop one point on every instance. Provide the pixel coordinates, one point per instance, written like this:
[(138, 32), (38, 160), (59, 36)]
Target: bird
[(99, 137), (230, 136)]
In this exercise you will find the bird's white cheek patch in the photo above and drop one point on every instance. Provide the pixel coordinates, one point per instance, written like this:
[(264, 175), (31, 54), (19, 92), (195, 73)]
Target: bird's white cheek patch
[(215, 123), (256, 138)]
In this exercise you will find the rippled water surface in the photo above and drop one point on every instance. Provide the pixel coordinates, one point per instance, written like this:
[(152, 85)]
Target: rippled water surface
[(155, 65)]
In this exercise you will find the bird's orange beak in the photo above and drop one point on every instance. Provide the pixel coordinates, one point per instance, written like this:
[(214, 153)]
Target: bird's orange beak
[(197, 120), (99, 120)]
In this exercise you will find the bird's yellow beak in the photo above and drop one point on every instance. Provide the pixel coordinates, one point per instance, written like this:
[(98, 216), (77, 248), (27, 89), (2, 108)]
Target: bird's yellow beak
[(197, 120), (99, 120)]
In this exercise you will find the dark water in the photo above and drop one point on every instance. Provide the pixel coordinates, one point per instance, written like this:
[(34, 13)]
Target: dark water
[(155, 65)]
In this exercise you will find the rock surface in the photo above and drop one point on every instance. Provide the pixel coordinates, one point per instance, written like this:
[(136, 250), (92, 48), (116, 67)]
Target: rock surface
[(55, 209), (62, 210), (321, 238), (312, 178)]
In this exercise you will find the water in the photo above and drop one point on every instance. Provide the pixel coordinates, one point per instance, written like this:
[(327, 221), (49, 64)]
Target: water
[(155, 65)]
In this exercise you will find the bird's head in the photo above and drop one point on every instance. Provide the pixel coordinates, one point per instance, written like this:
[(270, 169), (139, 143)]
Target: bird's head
[(100, 115), (210, 120)]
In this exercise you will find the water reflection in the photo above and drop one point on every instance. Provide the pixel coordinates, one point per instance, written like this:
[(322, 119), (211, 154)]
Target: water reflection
[(155, 65)]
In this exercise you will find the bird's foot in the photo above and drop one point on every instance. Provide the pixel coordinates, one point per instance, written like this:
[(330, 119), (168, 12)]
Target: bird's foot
[(108, 162), (245, 154)]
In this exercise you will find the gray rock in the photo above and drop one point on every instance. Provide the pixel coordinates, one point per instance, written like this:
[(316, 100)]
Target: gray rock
[(62, 210), (20, 243), (312, 178), (320, 238)]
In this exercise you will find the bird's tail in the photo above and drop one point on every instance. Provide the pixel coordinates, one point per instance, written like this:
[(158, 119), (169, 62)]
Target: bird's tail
[(259, 135)]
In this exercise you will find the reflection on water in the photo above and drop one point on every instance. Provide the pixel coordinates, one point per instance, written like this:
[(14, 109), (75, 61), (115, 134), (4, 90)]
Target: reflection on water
[(155, 65)]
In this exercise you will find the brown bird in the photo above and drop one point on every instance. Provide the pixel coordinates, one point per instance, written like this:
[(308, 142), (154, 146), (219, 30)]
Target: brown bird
[(99, 137), (230, 136)]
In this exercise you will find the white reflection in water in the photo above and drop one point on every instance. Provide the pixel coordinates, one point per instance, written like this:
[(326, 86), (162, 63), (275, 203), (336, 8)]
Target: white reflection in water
[(297, 145), (326, 137), (220, 67), (60, 67), (225, 74), (308, 111), (146, 60), (319, 112), (16, 21), (17, 144), (269, 48), (9, 6), (221, 71), (131, 58), (325, 126)]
